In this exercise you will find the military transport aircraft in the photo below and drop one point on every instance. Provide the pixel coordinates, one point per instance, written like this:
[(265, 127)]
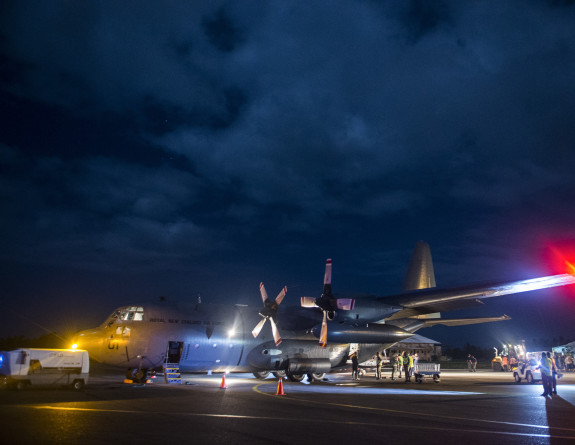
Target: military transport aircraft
[(311, 339)]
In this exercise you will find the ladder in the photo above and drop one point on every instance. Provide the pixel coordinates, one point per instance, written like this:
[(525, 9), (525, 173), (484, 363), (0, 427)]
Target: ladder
[(172, 373)]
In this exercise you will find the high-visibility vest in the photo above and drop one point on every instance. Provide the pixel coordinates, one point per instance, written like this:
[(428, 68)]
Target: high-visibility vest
[(546, 366)]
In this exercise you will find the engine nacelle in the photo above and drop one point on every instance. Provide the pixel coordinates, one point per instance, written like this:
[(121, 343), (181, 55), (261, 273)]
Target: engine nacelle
[(308, 365), (370, 333)]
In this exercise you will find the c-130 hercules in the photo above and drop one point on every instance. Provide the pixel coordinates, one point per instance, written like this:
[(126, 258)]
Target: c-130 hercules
[(315, 337)]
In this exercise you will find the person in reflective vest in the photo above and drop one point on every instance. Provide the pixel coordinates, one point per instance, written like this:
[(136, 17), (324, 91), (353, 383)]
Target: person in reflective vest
[(545, 366), (553, 373), (407, 364)]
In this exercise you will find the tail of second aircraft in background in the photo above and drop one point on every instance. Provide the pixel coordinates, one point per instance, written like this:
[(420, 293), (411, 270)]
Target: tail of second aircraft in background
[(420, 274)]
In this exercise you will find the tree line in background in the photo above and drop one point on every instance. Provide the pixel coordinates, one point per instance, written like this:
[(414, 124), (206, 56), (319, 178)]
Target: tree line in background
[(47, 341)]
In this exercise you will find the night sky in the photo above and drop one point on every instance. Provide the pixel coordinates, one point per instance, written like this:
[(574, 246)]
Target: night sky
[(200, 147)]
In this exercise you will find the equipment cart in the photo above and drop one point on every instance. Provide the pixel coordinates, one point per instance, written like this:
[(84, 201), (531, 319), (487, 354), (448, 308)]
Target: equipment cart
[(423, 370)]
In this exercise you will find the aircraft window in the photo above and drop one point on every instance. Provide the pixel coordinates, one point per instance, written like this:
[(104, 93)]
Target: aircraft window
[(132, 313), (113, 317)]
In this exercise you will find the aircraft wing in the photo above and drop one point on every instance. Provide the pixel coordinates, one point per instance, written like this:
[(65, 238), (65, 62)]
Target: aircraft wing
[(428, 301)]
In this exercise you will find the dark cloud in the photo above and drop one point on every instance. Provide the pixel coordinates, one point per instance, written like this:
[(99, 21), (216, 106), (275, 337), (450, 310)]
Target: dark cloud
[(420, 18), (208, 146), (221, 32)]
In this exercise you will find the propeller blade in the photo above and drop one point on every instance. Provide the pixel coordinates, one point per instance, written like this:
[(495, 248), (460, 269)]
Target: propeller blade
[(323, 335), (308, 302), (345, 304), (327, 275), (281, 295), (263, 292), (258, 328), (275, 332), (327, 279)]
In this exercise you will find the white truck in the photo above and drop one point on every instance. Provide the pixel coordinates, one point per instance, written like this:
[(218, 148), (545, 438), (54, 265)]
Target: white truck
[(23, 367)]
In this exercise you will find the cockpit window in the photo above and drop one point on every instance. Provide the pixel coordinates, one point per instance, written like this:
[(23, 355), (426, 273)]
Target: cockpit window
[(135, 313), (129, 313)]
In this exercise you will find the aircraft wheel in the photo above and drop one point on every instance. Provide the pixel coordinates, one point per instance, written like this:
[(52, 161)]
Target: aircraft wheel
[(516, 377), (295, 377), (261, 374), (279, 374), (21, 385), (315, 376), (78, 385), (529, 378), (140, 376)]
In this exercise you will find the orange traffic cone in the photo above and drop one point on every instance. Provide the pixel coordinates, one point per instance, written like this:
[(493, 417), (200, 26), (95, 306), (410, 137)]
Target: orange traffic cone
[(223, 385), (280, 391)]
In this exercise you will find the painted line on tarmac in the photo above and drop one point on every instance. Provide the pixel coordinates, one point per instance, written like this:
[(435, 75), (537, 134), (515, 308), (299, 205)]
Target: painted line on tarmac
[(411, 413), (291, 419)]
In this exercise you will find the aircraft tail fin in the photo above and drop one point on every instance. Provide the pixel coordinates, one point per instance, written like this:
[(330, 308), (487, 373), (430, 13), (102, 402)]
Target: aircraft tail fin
[(420, 274)]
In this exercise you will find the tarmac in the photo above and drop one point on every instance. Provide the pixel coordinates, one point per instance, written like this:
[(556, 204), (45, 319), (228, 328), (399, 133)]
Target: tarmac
[(463, 407)]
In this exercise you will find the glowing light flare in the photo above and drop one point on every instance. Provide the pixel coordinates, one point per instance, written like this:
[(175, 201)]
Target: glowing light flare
[(561, 259), (74, 346)]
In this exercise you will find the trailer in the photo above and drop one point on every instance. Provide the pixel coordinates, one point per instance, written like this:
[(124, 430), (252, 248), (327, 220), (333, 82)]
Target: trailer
[(30, 366), (427, 370)]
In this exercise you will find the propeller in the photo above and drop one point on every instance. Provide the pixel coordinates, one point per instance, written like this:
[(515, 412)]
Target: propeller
[(327, 303), (269, 312)]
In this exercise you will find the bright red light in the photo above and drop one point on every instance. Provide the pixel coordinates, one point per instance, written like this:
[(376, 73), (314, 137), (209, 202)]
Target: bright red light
[(560, 257)]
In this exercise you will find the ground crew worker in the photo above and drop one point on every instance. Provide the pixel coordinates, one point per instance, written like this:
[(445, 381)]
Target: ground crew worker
[(505, 363), (569, 363), (400, 363), (473, 363), (355, 366), (553, 373), (513, 362), (407, 362), (379, 363), (393, 365), (546, 378)]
